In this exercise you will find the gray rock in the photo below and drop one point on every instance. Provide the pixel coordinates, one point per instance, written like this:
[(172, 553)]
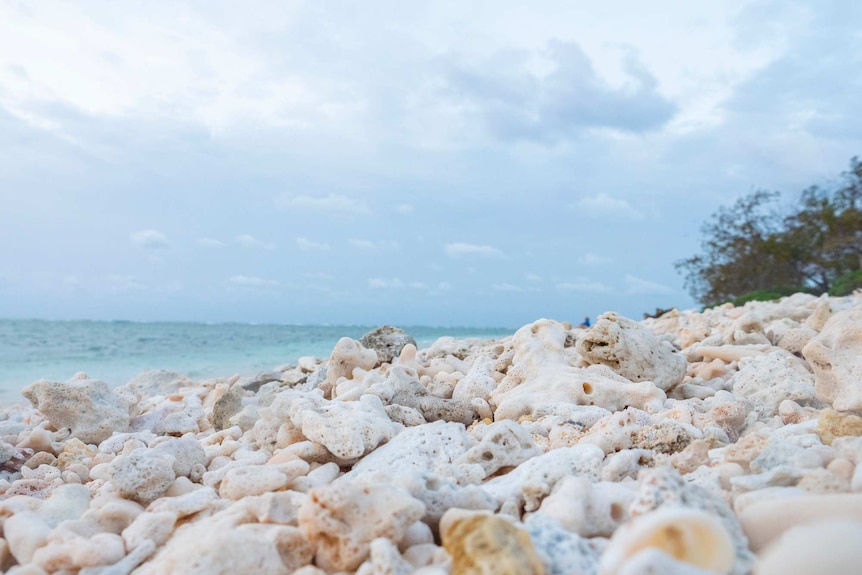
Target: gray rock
[(387, 341), (226, 407), (410, 393), (253, 384)]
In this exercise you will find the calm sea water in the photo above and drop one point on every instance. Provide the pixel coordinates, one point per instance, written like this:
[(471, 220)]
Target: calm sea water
[(117, 351)]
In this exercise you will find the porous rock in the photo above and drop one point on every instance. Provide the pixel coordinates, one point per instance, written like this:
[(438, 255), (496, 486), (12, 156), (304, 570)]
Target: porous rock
[(143, 475), (351, 474), (589, 508), (542, 376), (346, 356), (832, 424), (561, 551), (484, 544), (348, 429), (87, 407), (632, 350), (528, 484), (259, 479), (835, 355), (156, 382), (341, 520), (503, 444), (205, 549), (771, 378)]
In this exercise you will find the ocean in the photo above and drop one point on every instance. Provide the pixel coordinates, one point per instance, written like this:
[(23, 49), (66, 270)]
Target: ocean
[(116, 351)]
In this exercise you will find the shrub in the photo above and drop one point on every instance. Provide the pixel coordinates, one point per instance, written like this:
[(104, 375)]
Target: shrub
[(846, 283), (768, 294)]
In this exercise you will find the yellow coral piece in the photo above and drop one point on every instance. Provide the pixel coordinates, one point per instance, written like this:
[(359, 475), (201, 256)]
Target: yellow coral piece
[(485, 545), (832, 424)]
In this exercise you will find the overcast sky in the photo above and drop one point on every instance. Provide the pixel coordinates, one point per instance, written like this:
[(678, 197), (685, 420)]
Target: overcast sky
[(477, 163)]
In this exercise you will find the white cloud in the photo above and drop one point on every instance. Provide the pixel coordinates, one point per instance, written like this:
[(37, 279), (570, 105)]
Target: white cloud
[(370, 245), (320, 276), (333, 204), (535, 278), (593, 260), (506, 287), (362, 244), (308, 245), (460, 249), (444, 286), (251, 281), (150, 239), (382, 283), (605, 206), (638, 285), (395, 283), (405, 208), (210, 243), (583, 285), (195, 68), (250, 242)]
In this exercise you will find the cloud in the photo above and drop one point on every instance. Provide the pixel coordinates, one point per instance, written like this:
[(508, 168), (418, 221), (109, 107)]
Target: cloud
[(605, 206), (319, 276), (458, 249), (251, 281), (395, 283), (506, 287), (515, 101), (444, 286), (583, 285), (404, 208), (381, 283), (370, 245), (308, 245), (593, 260), (531, 277), (210, 243), (252, 243), (150, 239), (194, 70), (332, 204), (636, 285)]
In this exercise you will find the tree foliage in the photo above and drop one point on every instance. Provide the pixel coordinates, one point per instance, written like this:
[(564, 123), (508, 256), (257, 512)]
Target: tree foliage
[(755, 246)]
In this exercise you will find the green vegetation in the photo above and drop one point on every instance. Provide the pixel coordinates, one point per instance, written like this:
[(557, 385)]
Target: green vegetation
[(753, 250), (768, 294), (847, 283)]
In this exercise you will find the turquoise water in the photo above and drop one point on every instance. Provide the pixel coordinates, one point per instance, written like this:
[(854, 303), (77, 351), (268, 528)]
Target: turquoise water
[(117, 351)]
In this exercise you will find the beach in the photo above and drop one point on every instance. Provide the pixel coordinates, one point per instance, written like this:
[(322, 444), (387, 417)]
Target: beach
[(727, 441), (117, 351)]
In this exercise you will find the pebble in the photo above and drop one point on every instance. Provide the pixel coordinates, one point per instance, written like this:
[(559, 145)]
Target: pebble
[(693, 443)]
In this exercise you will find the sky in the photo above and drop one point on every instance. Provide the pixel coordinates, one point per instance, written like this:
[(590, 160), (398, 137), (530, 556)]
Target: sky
[(451, 163)]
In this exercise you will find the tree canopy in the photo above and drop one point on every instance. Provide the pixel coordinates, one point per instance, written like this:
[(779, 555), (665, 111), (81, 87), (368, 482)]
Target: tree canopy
[(756, 247)]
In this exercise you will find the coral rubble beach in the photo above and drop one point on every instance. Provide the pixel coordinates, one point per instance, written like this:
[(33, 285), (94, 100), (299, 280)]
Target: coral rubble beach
[(724, 441)]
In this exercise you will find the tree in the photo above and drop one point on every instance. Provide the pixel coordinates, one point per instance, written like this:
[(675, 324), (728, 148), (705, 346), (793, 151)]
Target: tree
[(753, 247), (742, 251)]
